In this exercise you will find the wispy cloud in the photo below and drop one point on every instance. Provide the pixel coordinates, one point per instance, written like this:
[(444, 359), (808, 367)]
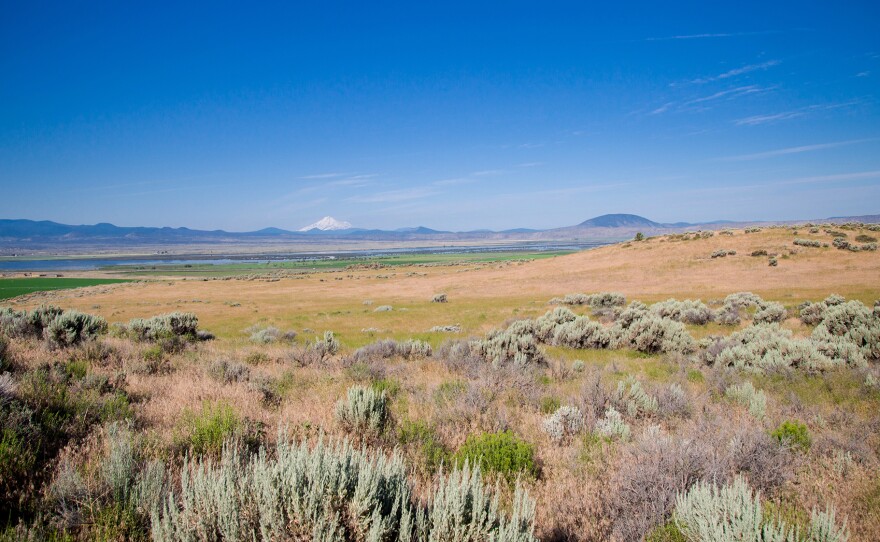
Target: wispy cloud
[(764, 119), (323, 176), (530, 164), (729, 93), (662, 109), (749, 68), (792, 150), (711, 35), (785, 115), (488, 173), (863, 74)]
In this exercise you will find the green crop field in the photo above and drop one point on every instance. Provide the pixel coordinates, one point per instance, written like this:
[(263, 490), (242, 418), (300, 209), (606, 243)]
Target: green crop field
[(10, 288), (328, 264)]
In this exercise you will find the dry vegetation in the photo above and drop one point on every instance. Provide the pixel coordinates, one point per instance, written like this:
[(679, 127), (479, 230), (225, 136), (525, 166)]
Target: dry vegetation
[(593, 418)]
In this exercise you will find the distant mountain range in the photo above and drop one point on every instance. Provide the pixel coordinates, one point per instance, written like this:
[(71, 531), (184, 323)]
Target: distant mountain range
[(30, 234)]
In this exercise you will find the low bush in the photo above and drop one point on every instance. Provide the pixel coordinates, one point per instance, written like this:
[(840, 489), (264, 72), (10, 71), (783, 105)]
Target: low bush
[(383, 308), (545, 325), (863, 238), (28, 324), (849, 325), (807, 243), (389, 348), (329, 492), (439, 298), (205, 431), (651, 334), (734, 513), (264, 335), (451, 328), (165, 326), (422, 438), (502, 453), (516, 345), (746, 395), (769, 312), (364, 411), (721, 253), (612, 426), (794, 435), (581, 332), (563, 424), (672, 401), (632, 398), (688, 311), (763, 347), (760, 252), (653, 470), (73, 327), (226, 371), (596, 301)]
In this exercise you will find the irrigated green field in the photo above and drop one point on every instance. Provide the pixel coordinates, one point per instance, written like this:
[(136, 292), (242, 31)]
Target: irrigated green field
[(10, 288), (328, 264)]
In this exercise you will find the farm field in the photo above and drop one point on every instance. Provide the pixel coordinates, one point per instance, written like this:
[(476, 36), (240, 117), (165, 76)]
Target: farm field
[(14, 287), (595, 409)]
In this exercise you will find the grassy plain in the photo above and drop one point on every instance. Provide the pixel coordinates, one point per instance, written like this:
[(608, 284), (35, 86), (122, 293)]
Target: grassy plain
[(483, 294), (14, 287), (581, 487)]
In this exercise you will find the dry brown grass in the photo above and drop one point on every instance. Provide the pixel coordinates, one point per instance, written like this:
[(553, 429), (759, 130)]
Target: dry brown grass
[(479, 299)]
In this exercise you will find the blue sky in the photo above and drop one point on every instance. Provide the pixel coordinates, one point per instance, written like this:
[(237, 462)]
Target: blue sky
[(453, 116)]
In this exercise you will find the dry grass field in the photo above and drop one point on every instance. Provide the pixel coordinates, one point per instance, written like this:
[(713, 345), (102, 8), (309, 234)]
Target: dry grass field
[(483, 296), (586, 486)]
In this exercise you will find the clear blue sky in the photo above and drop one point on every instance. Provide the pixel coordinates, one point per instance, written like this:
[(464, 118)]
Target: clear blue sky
[(453, 116)]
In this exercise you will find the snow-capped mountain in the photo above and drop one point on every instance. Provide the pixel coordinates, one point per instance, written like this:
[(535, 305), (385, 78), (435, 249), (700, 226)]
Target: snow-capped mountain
[(328, 223)]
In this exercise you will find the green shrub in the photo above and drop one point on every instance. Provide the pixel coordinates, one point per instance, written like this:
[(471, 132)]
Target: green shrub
[(364, 411), (550, 404), (668, 532), (423, 438), (204, 432), (502, 453), (389, 386), (793, 434)]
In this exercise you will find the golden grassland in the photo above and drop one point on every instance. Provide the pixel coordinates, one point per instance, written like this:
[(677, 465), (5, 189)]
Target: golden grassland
[(574, 476), (483, 296)]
